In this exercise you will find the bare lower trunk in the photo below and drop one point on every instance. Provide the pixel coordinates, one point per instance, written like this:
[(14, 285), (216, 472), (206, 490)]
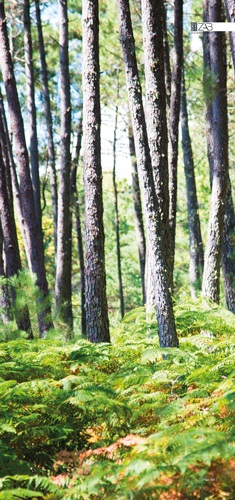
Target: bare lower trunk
[(47, 104), (228, 255), (177, 58), (75, 203), (139, 223), (33, 146), (96, 299), (163, 302), (195, 237), (156, 114), (116, 215), (63, 287)]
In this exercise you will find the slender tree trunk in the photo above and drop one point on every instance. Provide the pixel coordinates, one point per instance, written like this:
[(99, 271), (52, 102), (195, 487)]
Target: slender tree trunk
[(96, 299), (177, 58), (33, 146), (8, 229), (48, 115), (75, 203), (211, 276), (195, 237), (116, 216), (63, 288), (156, 113), (32, 232), (163, 302), (139, 223)]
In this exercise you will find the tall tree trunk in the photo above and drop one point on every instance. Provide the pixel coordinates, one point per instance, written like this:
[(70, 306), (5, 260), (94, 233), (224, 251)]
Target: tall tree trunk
[(8, 229), (32, 232), (33, 145), (116, 216), (177, 58), (48, 115), (96, 299), (156, 113), (63, 288), (195, 237), (139, 223), (163, 302), (75, 203), (211, 276)]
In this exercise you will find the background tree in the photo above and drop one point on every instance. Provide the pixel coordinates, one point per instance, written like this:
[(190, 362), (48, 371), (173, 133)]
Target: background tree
[(63, 286), (32, 232)]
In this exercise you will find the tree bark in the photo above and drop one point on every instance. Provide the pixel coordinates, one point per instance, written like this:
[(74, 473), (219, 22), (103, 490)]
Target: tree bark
[(156, 113), (195, 237), (63, 287), (96, 300), (139, 223), (228, 252), (32, 233), (33, 145), (163, 302), (177, 58), (48, 115), (211, 275), (230, 14), (116, 218), (75, 203)]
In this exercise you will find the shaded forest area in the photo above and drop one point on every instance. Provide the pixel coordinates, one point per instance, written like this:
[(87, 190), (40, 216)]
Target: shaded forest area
[(117, 263)]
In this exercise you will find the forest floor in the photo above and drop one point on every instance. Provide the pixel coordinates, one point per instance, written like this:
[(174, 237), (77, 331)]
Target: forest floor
[(85, 421)]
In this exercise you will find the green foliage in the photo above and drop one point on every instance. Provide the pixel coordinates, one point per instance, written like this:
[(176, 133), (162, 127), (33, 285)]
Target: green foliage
[(86, 421)]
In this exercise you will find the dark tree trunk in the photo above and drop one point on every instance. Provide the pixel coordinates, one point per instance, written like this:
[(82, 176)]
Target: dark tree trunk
[(139, 223), (156, 113), (33, 145), (96, 300), (163, 302), (48, 115), (63, 288), (195, 237), (116, 217), (32, 233), (8, 229), (177, 58), (75, 203), (211, 276)]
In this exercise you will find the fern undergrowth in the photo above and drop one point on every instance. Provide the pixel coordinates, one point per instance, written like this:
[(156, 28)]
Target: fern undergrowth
[(85, 421)]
